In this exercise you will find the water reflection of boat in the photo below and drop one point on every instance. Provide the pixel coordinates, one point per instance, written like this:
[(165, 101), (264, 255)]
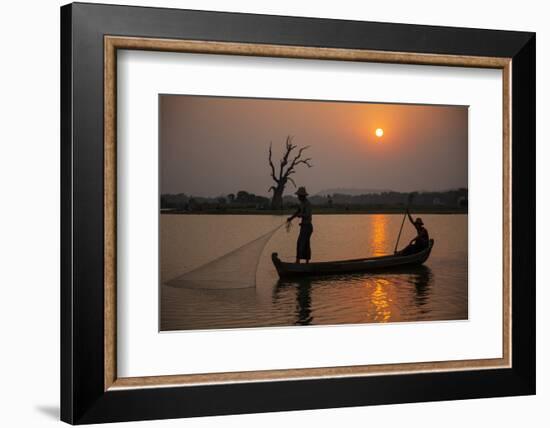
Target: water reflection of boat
[(372, 291), (371, 264)]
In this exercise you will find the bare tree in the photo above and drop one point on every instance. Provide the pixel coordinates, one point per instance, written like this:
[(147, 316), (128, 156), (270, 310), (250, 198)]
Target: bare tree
[(287, 166)]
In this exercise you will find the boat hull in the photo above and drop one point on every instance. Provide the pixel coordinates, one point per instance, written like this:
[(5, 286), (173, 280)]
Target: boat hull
[(373, 264)]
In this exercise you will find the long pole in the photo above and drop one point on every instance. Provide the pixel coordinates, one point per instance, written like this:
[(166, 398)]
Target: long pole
[(399, 236), (409, 199)]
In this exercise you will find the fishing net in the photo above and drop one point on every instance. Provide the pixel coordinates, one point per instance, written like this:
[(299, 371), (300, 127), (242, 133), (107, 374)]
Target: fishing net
[(236, 269)]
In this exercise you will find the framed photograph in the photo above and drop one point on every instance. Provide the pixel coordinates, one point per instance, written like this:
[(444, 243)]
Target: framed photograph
[(265, 213)]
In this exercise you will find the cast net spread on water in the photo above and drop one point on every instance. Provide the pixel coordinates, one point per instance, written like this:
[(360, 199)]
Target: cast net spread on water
[(236, 269)]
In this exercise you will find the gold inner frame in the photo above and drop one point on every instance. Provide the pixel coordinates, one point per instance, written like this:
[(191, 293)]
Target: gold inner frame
[(113, 43)]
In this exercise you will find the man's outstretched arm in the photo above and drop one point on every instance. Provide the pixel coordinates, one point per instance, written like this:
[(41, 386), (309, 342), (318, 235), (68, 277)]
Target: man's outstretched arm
[(296, 214), (410, 217)]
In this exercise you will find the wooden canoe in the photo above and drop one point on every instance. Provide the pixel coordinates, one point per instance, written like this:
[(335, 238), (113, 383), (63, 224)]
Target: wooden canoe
[(289, 270)]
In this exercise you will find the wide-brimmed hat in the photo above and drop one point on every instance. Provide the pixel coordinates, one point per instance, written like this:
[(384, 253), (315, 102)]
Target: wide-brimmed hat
[(419, 221), (301, 191)]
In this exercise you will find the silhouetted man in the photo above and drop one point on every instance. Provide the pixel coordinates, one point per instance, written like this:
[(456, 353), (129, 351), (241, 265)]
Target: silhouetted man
[(422, 239), (303, 246)]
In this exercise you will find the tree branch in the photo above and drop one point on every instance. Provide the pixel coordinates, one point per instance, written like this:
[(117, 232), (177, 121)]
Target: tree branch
[(271, 164), (287, 167), (305, 162), (297, 161), (284, 161)]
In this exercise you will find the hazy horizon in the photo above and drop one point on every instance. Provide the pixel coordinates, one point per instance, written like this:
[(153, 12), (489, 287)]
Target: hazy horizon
[(323, 192), (212, 146)]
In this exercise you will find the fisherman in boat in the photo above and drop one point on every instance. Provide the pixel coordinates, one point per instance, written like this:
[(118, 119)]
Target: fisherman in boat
[(422, 239), (303, 247)]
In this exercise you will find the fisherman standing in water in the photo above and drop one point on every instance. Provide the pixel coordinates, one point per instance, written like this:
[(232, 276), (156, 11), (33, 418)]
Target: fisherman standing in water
[(303, 247)]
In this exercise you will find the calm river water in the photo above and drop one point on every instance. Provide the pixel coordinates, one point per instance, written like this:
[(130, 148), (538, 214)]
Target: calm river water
[(437, 290)]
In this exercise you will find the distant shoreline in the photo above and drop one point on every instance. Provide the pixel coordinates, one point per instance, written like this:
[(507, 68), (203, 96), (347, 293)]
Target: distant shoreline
[(318, 211)]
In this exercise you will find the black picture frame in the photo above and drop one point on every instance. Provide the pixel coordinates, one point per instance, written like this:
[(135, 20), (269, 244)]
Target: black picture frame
[(83, 398)]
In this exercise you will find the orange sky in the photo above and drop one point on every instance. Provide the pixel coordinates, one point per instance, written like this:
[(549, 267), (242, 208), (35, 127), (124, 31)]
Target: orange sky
[(211, 146)]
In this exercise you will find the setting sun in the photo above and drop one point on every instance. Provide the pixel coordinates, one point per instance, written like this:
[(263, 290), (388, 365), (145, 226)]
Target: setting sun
[(379, 132)]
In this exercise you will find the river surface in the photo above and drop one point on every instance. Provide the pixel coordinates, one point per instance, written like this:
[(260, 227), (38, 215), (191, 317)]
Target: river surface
[(438, 290)]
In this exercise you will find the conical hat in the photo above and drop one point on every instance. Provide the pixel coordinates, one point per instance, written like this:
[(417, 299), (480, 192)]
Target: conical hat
[(301, 191)]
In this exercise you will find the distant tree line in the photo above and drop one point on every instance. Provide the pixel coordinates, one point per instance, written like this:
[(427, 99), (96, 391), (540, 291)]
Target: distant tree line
[(450, 198), (243, 200)]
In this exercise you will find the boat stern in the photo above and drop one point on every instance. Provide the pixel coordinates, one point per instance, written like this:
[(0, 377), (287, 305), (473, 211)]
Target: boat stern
[(276, 262)]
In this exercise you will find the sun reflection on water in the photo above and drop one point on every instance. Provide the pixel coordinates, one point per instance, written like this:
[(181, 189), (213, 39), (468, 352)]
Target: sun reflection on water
[(379, 298), (379, 223)]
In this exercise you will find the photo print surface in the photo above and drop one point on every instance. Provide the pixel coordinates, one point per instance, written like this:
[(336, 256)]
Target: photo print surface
[(279, 212)]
